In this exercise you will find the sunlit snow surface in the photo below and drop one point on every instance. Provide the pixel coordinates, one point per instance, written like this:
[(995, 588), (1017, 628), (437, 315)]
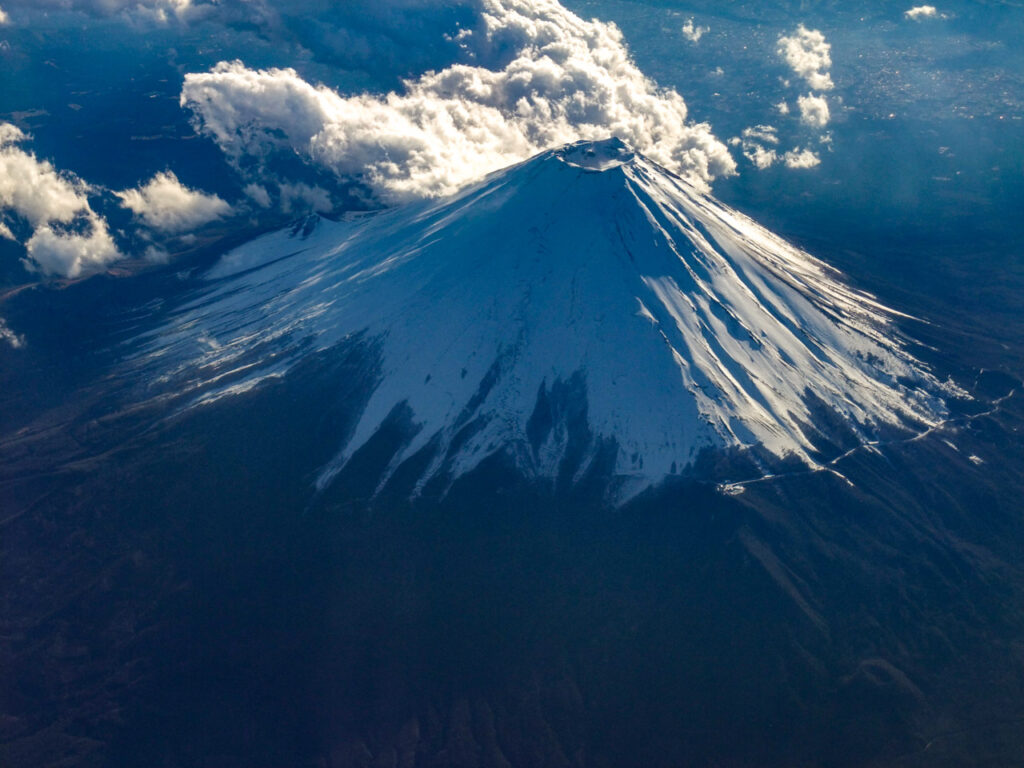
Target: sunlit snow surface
[(692, 326)]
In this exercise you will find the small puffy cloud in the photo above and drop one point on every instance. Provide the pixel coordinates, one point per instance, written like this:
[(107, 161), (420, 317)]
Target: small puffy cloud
[(8, 336), (69, 238), (753, 143), (782, 108), (258, 194), (692, 32), (764, 133), (33, 188), (801, 158), (71, 254), (166, 205), (538, 76), (813, 110), (809, 56), (921, 12), (4, 18), (761, 157)]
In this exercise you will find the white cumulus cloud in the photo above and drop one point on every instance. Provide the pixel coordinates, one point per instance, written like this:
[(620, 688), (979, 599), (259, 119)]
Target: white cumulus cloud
[(801, 158), (813, 110), (166, 205), (761, 157), (538, 76), (33, 188), (763, 133), (54, 251), (758, 145), (61, 232), (809, 56), (694, 33), (921, 12), (4, 18), (69, 238)]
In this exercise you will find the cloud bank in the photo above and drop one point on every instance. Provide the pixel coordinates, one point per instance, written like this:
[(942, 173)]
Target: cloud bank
[(809, 56), (539, 76), (166, 205)]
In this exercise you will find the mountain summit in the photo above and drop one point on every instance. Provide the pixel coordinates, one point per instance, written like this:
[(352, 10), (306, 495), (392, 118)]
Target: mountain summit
[(586, 305)]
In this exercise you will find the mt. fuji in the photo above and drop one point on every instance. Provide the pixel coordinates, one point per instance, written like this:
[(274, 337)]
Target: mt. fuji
[(586, 307), (511, 384)]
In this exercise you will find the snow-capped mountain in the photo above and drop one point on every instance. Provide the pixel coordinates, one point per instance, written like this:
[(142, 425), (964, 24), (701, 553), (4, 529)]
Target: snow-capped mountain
[(582, 302)]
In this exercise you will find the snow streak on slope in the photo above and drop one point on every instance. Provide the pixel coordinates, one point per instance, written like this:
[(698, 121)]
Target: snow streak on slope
[(680, 324)]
